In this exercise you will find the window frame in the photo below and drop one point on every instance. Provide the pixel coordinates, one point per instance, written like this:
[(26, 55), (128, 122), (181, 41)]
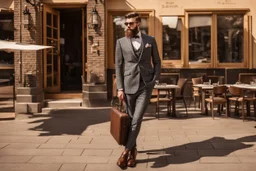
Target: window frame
[(186, 62), (109, 30), (173, 63), (245, 63), (214, 58)]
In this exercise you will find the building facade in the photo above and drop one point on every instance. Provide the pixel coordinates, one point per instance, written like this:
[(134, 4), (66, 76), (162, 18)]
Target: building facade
[(195, 38)]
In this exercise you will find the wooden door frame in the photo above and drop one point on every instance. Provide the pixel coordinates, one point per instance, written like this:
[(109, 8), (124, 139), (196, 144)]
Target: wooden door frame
[(83, 42), (52, 11), (59, 6)]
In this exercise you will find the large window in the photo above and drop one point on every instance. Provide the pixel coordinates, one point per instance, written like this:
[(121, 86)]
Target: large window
[(171, 38), (119, 28), (230, 38), (116, 30), (199, 38), (217, 39)]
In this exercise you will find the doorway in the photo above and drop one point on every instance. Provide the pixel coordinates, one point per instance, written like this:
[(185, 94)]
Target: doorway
[(71, 49)]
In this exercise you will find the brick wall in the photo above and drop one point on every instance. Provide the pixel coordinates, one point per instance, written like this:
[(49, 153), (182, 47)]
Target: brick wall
[(28, 61), (96, 62)]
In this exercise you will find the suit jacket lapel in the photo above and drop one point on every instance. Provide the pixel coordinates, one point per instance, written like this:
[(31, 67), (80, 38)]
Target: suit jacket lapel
[(143, 42)]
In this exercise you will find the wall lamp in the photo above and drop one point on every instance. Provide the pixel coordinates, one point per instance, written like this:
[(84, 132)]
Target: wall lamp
[(95, 20), (34, 2), (26, 19)]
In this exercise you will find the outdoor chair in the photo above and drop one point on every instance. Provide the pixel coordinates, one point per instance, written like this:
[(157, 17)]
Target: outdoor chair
[(179, 93), (239, 95), (161, 96), (218, 97), (196, 91)]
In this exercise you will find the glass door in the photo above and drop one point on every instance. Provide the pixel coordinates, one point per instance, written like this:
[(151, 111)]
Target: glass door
[(51, 33)]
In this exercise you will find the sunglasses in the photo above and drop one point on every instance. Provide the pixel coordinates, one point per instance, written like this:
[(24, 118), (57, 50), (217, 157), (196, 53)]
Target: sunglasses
[(129, 23)]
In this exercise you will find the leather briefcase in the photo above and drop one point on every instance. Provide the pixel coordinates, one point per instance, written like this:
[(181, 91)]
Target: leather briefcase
[(119, 123)]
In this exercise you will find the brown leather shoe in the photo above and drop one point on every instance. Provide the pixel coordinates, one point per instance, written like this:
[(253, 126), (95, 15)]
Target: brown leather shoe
[(122, 161), (132, 158)]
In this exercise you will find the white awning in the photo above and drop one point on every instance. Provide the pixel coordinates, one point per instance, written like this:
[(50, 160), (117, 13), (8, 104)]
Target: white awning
[(6, 45)]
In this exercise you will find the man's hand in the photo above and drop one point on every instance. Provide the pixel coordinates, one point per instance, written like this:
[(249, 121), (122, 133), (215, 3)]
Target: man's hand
[(120, 94)]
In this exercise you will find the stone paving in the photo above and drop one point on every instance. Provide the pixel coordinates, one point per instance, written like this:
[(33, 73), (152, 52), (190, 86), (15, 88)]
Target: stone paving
[(79, 140)]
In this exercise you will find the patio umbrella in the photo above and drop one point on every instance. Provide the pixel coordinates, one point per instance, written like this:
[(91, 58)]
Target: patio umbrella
[(6, 45), (10, 46)]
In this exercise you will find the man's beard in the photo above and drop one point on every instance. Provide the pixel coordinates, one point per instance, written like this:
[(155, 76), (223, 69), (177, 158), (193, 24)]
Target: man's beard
[(131, 32)]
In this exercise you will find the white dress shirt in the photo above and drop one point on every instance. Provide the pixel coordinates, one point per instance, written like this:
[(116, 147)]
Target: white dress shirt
[(137, 43)]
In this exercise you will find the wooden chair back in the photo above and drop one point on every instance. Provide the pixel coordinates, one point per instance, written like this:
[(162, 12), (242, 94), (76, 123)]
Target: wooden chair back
[(219, 90), (235, 91), (181, 83), (198, 80)]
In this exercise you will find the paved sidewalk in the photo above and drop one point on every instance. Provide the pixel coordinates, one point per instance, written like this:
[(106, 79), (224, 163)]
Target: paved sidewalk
[(79, 140)]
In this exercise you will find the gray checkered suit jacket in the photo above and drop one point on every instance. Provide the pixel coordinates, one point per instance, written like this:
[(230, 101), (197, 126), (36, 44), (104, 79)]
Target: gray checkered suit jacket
[(130, 69)]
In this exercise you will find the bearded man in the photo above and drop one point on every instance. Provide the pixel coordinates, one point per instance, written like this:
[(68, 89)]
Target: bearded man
[(135, 78)]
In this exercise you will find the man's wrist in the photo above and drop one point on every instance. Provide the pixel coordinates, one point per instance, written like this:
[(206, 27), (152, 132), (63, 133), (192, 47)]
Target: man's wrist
[(120, 89)]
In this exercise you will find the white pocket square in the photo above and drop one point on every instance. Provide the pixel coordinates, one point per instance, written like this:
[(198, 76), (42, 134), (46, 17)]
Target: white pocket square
[(148, 45)]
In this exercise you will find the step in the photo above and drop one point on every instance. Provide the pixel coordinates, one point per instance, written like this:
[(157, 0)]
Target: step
[(95, 95), (7, 115), (63, 103), (27, 107), (45, 112), (26, 98), (94, 87), (27, 90)]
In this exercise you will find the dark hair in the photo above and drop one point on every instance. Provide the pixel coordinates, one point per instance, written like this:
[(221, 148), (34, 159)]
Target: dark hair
[(133, 15)]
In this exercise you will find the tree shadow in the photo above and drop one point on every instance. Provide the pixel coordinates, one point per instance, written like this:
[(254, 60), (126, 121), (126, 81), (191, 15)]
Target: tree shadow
[(70, 121), (191, 152)]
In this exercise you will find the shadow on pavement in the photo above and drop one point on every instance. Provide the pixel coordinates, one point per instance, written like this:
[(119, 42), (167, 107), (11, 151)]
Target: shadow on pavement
[(191, 152), (75, 121), (70, 121)]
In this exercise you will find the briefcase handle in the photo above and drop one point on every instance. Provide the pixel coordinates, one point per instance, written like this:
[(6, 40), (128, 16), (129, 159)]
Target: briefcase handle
[(120, 105)]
